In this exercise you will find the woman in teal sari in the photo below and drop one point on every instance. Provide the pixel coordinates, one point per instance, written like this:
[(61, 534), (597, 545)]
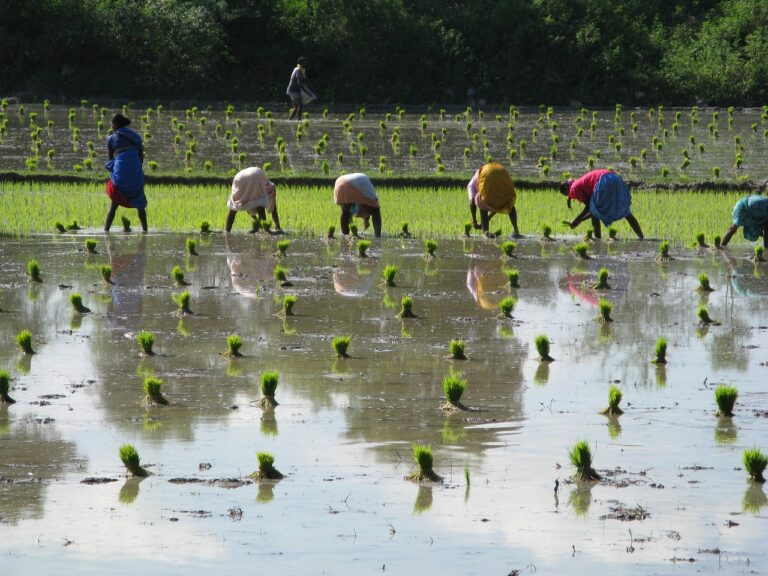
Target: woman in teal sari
[(751, 213)]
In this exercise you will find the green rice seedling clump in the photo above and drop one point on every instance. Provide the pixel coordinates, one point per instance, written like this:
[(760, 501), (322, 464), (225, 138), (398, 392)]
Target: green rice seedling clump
[(506, 306), (33, 270), (604, 307), (267, 470), (704, 283), (178, 276), (280, 275), (182, 301), (24, 341), (581, 249), (282, 247), (234, 343), (131, 461), (331, 231), (362, 248), (106, 273), (755, 463), (205, 227), (73, 225), (513, 276), (663, 253), (468, 229), (703, 315), (700, 240), (718, 242), (508, 248), (191, 246), (340, 345), (404, 232), (406, 307), (602, 280), (581, 458), (725, 397), (146, 340), (288, 301), (59, 227), (614, 399), (612, 232), (457, 348), (389, 275), (454, 388), (90, 245), (759, 254), (5, 388), (546, 232), (542, 347), (660, 352), (430, 246), (77, 303), (422, 454), (268, 387), (153, 394)]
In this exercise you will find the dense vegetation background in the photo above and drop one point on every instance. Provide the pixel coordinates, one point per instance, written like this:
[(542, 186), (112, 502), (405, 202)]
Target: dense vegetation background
[(397, 51)]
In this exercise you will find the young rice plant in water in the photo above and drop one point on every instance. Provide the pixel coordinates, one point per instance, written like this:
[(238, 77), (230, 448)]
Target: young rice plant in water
[(406, 310), (288, 301), (514, 278), (389, 275), (362, 248), (507, 305), (755, 463), (542, 347), (153, 391), (126, 224), (192, 247), (456, 348), (422, 454), (725, 397), (268, 388), (508, 249), (341, 345), (604, 307), (281, 277), (614, 399), (581, 250), (704, 283), (660, 351), (759, 254), (77, 303), (282, 247), (106, 273), (131, 461), (267, 470), (602, 280), (703, 315), (90, 245), (146, 340), (454, 388), (234, 343), (663, 250), (182, 301), (33, 270), (430, 246), (24, 341), (5, 388), (581, 458)]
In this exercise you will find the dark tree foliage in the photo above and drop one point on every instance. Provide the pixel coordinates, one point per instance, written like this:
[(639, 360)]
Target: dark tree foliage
[(396, 51)]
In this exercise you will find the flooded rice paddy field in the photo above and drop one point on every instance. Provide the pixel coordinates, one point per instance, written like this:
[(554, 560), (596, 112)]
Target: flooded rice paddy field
[(682, 144), (673, 498)]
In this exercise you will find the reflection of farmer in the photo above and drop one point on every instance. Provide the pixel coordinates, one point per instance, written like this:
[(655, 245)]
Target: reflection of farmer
[(128, 272), (751, 213), (485, 281), (248, 271), (299, 90), (357, 197), (491, 189), (254, 193), (125, 186), (347, 281), (606, 198)]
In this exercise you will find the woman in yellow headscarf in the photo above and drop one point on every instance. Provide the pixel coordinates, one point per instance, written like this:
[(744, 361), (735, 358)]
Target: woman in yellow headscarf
[(491, 189)]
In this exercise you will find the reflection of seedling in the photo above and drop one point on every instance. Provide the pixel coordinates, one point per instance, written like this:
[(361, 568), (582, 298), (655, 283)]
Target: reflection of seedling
[(430, 246), (404, 232), (178, 276), (280, 275), (146, 340), (5, 388), (131, 461), (513, 276), (126, 224), (725, 396), (759, 254), (546, 232), (614, 399), (423, 456), (581, 457), (718, 240), (454, 387), (282, 247), (153, 391), (457, 349), (90, 245), (192, 247), (33, 270), (331, 231), (59, 227), (362, 247), (612, 233), (602, 280), (700, 242), (703, 315), (604, 307), (704, 283), (234, 343), (268, 388), (755, 463), (406, 310), (508, 248), (182, 301), (341, 345), (205, 227), (77, 303), (24, 341), (288, 301), (106, 273), (507, 305), (389, 275), (542, 347), (663, 251), (660, 351), (581, 249), (267, 470)]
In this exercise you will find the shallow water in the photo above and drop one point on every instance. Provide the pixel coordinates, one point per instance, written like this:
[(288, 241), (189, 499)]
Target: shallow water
[(343, 429)]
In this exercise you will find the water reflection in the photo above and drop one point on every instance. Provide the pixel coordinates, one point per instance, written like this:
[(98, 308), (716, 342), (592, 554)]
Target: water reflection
[(353, 280), (128, 268), (129, 491), (487, 283), (754, 498), (423, 502), (580, 498)]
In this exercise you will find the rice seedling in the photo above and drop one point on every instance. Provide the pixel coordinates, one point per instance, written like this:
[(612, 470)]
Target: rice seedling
[(59, 227), (454, 388), (280, 275), (704, 283), (282, 247), (153, 395), (612, 232), (234, 343), (90, 245), (178, 276), (182, 302), (513, 276), (755, 463), (33, 270), (205, 227), (759, 254), (506, 306), (725, 397), (422, 454), (331, 231), (362, 248), (581, 250), (192, 247), (340, 345), (468, 229), (126, 224), (457, 347), (660, 351), (130, 458), (268, 388), (703, 315), (146, 340), (5, 388), (406, 308), (73, 226), (663, 253), (77, 303), (700, 241), (267, 470), (604, 307), (404, 232), (508, 249), (602, 280), (614, 399), (24, 341), (581, 458), (389, 275), (106, 273), (430, 246), (288, 301), (542, 347), (353, 230), (718, 241), (589, 236), (546, 232)]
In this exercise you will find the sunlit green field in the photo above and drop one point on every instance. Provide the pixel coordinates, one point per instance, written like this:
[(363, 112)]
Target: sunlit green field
[(439, 212)]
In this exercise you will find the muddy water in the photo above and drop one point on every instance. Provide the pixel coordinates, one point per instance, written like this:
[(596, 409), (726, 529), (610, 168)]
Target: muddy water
[(343, 429)]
